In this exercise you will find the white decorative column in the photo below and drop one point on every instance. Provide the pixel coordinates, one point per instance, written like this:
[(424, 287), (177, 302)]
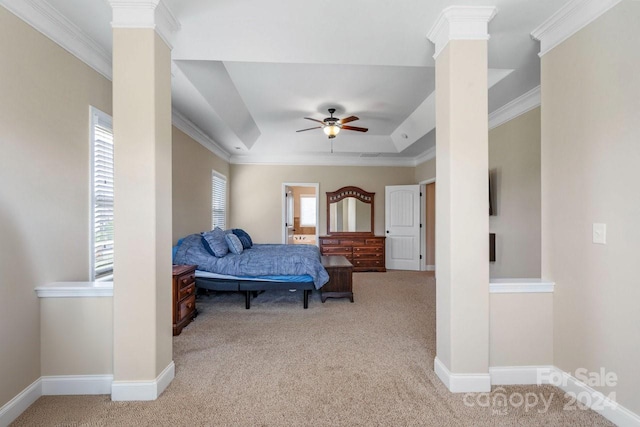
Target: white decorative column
[(462, 201), (143, 360)]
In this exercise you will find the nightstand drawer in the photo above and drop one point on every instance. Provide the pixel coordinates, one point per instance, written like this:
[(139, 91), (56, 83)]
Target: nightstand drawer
[(186, 307), (185, 292), (187, 280)]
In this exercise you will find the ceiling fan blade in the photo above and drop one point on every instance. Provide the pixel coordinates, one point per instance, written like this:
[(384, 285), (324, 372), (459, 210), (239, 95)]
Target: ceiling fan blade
[(355, 128), (348, 119), (302, 130), (314, 120)]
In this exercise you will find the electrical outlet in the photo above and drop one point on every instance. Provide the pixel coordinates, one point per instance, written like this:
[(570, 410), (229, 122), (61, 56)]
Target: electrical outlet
[(600, 233)]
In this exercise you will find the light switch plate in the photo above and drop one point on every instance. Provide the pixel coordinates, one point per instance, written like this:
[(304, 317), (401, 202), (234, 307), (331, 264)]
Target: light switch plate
[(600, 233)]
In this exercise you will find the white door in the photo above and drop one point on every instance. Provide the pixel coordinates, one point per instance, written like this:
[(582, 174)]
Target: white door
[(288, 215), (402, 225)]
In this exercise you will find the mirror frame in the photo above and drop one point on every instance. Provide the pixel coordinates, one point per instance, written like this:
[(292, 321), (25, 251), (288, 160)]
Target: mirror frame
[(359, 194)]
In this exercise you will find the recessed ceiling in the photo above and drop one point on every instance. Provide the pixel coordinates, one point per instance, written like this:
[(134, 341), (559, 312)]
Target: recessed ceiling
[(247, 72)]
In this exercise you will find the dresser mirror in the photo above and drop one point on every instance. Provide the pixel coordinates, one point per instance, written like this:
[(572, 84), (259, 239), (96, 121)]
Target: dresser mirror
[(350, 211)]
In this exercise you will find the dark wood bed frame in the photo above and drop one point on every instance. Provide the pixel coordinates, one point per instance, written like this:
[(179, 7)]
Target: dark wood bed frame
[(253, 287)]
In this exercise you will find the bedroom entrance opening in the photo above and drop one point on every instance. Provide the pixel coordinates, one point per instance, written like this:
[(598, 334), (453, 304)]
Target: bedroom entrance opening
[(300, 213), (428, 190)]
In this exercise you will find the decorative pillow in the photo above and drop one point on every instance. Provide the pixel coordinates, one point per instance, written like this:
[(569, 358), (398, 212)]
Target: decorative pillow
[(235, 246), (215, 243), (244, 237)]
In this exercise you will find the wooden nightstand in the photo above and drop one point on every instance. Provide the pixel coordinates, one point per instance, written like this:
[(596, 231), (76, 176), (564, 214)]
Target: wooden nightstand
[(340, 272), (184, 296)]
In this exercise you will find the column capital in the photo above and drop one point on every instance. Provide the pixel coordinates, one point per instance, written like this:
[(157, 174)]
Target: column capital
[(145, 14), (461, 23)]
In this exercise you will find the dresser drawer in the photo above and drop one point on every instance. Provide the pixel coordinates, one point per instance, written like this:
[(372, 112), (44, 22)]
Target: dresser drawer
[(333, 250), (330, 241), (186, 307), (367, 262), (368, 256), (185, 292), (368, 249), (374, 242)]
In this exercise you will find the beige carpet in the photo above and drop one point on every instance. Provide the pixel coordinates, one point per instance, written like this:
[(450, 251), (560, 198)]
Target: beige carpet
[(337, 363)]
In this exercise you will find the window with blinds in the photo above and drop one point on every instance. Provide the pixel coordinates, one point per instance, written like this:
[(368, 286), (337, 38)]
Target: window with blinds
[(218, 200), (101, 195)]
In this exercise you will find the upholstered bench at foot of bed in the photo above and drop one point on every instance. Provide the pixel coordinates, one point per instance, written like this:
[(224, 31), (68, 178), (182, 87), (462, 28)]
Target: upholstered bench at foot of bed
[(249, 287)]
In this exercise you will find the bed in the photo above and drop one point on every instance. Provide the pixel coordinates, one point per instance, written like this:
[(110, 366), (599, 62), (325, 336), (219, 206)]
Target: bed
[(259, 267)]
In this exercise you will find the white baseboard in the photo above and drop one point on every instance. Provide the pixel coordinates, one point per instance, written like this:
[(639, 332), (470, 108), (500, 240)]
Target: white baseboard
[(517, 375), (545, 374), (143, 390), (61, 385), (605, 406), (461, 383), (431, 268), (16, 406)]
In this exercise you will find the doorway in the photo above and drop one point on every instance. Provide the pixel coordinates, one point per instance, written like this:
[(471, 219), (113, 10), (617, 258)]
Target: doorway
[(402, 224), (300, 212), (429, 229)]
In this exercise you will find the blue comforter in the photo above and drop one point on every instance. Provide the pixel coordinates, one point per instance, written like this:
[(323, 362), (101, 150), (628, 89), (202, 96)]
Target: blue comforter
[(259, 260)]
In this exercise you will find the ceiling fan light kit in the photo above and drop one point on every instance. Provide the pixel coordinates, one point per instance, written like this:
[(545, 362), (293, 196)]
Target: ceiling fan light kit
[(331, 126), (331, 131)]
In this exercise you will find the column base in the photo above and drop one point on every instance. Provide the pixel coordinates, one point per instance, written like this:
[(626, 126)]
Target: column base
[(462, 383), (143, 390)]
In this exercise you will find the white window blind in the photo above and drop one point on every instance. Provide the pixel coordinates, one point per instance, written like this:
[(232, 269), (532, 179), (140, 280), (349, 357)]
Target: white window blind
[(101, 195), (218, 200), (307, 211)]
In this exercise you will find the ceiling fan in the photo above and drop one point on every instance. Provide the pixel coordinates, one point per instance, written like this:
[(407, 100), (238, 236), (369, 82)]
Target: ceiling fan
[(332, 125)]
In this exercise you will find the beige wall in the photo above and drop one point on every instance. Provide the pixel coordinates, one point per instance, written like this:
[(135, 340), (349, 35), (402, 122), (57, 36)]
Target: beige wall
[(426, 170), (45, 94), (590, 174), (77, 336), (256, 193), (521, 329), (192, 165), (514, 162)]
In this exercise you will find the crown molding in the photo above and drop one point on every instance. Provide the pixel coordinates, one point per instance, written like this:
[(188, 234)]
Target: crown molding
[(188, 127), (568, 20), (154, 14), (515, 108), (321, 160), (461, 23), (426, 156), (48, 21)]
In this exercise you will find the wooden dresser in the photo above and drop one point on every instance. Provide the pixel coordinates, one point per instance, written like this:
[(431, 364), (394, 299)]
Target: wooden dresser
[(366, 253), (184, 296)]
